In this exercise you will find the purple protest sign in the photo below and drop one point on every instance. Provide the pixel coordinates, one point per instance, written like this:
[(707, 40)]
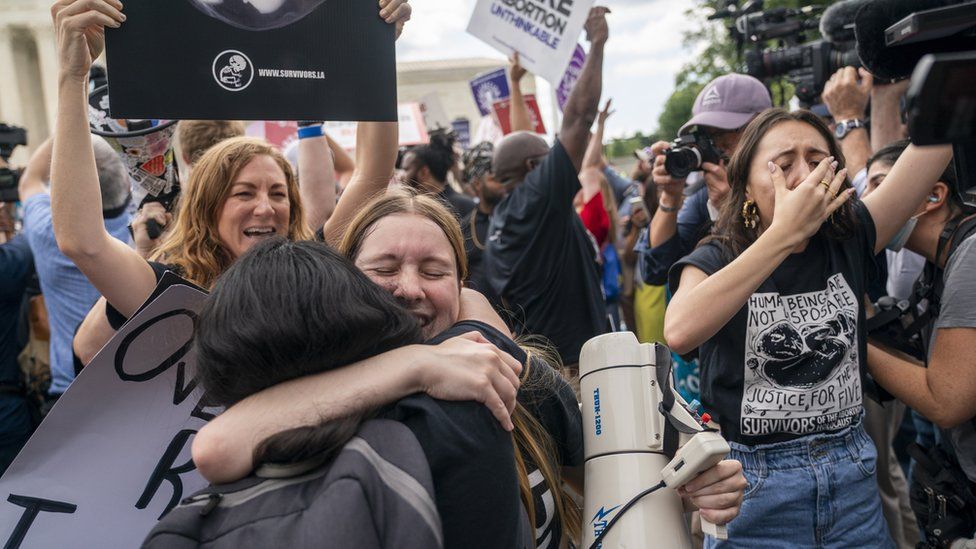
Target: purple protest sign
[(571, 75), (462, 129), (488, 88)]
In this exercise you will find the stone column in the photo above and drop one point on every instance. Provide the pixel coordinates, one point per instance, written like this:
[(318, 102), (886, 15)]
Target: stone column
[(11, 105), (47, 55)]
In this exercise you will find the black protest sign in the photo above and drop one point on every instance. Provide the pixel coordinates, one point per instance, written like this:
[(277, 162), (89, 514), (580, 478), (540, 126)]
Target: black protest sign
[(252, 60), (114, 454)]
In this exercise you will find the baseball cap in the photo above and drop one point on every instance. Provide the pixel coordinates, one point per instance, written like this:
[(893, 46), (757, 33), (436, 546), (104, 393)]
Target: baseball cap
[(728, 103), (508, 162)]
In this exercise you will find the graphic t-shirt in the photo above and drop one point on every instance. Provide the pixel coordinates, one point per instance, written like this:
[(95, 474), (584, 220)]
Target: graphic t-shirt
[(552, 402), (541, 261), (789, 363)]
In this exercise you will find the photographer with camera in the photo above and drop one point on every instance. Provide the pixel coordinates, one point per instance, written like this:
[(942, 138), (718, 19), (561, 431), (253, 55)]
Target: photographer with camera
[(943, 231), (16, 272), (721, 112)]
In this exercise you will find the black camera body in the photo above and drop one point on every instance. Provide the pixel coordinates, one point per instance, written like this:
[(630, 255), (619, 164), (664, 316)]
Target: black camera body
[(689, 152), (10, 138), (806, 66)]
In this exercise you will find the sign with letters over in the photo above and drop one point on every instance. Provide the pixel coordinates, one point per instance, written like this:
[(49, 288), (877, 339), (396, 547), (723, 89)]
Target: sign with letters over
[(543, 32), (252, 60), (114, 454)]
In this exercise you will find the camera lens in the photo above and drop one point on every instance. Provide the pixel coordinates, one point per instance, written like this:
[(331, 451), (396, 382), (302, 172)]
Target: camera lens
[(681, 162), (257, 15)]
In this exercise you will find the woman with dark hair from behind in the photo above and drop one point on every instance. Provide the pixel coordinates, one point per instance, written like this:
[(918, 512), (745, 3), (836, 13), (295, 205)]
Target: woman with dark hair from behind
[(368, 480), (426, 167)]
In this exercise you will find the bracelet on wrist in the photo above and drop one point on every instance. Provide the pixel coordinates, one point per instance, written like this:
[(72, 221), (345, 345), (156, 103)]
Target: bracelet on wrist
[(306, 132), (668, 209)]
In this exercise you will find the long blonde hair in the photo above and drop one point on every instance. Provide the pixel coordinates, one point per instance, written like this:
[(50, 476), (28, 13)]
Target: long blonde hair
[(532, 442), (193, 245)]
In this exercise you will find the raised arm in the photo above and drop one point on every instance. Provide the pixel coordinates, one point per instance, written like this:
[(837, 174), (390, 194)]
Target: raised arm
[(584, 101), (799, 214), (463, 368), (519, 113), (376, 152), (886, 126), (905, 187), (116, 271), (93, 333), (594, 151), (37, 173), (846, 95), (316, 175), (344, 164)]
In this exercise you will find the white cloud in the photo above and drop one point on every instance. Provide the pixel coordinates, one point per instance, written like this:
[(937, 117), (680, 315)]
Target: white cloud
[(643, 54)]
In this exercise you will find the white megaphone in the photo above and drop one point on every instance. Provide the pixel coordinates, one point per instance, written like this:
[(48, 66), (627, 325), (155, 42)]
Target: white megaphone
[(634, 424)]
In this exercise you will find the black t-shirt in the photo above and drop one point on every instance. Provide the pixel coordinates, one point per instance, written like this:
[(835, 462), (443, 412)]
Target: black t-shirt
[(475, 230), (16, 269), (460, 204), (791, 362), (474, 227), (473, 468), (541, 260), (552, 402), (117, 319)]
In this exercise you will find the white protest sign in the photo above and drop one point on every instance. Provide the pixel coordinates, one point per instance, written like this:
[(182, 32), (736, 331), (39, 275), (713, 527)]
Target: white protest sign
[(412, 130), (114, 453), (543, 32)]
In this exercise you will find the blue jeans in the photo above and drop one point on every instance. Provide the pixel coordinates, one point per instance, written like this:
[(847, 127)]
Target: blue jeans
[(816, 491)]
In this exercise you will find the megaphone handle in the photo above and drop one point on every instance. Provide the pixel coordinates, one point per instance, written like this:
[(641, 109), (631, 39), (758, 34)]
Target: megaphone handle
[(153, 229), (717, 532)]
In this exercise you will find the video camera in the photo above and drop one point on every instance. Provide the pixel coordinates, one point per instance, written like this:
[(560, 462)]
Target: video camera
[(10, 138), (689, 152), (806, 64)]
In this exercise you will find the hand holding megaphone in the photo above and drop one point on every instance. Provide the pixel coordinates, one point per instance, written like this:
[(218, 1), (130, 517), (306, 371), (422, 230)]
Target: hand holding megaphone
[(148, 225)]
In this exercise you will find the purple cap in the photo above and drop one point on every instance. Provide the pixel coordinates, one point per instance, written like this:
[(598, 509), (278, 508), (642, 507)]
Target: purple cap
[(728, 103)]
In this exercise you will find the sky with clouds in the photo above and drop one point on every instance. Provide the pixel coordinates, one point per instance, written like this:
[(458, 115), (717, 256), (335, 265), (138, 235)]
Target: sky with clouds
[(644, 52)]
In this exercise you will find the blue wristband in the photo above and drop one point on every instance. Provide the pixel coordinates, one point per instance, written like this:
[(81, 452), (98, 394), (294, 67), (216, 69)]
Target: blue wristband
[(310, 131)]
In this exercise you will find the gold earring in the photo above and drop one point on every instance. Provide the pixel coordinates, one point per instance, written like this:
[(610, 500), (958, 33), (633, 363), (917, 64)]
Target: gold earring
[(750, 214)]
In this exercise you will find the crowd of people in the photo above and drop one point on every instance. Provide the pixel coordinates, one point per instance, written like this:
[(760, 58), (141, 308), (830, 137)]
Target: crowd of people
[(410, 361)]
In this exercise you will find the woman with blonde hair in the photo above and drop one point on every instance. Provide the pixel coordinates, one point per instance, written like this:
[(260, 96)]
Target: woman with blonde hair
[(412, 246), (241, 192)]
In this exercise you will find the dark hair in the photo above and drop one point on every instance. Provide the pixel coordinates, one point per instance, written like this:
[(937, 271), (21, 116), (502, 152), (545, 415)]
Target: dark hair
[(286, 310), (889, 155), (438, 155), (730, 229)]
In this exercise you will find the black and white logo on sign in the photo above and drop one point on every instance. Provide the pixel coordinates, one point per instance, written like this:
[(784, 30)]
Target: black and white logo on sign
[(233, 70)]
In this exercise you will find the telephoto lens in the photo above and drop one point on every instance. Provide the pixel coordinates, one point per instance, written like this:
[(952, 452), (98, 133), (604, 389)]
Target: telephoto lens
[(682, 161), (257, 15)]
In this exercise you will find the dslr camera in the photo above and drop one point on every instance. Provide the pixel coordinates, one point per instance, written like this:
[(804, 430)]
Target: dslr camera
[(10, 138), (689, 152)]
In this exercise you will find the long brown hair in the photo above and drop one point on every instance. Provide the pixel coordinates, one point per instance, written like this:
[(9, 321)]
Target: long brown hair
[(194, 246), (531, 441), (730, 229)]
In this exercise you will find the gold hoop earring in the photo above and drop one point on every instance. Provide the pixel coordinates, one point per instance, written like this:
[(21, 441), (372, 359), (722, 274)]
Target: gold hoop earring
[(750, 214)]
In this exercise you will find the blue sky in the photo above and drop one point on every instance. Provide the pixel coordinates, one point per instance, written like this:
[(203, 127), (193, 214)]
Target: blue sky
[(643, 54)]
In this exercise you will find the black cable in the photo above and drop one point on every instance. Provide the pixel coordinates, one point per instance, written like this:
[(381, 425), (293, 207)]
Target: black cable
[(623, 510)]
